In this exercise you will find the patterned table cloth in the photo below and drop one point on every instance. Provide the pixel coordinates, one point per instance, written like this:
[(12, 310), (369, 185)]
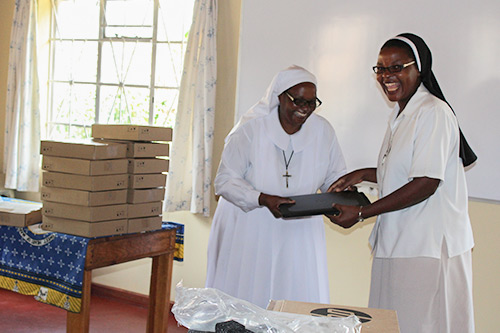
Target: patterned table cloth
[(49, 265)]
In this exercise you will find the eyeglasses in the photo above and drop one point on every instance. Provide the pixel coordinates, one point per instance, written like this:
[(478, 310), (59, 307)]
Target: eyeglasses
[(392, 69), (300, 102)]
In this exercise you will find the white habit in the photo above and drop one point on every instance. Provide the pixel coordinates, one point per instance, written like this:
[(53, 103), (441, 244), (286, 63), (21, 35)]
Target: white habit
[(422, 254), (251, 254)]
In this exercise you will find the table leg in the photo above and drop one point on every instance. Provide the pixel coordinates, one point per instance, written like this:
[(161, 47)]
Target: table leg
[(79, 322), (159, 293)]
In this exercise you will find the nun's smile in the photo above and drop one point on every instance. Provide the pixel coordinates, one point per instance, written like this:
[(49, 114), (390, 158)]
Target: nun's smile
[(301, 113), (391, 87), (399, 86)]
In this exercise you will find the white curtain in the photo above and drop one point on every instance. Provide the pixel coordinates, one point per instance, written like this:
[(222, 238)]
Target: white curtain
[(189, 179), (22, 125)]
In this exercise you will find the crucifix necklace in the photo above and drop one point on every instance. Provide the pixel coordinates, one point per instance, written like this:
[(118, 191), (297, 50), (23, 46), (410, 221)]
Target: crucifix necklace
[(287, 163)]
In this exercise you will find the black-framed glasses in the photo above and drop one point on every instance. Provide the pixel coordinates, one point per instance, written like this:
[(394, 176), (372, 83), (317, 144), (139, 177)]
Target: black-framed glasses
[(300, 102), (391, 69)]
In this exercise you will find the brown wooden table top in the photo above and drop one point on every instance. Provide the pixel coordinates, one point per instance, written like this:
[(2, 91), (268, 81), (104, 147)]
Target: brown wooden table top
[(106, 251)]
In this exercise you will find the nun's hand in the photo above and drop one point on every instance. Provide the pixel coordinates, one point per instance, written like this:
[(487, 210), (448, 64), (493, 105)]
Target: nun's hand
[(347, 216), (272, 202), (347, 182)]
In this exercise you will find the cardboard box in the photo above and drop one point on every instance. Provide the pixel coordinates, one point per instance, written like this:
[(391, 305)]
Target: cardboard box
[(147, 165), (84, 198), (132, 132), (86, 183), (143, 149), (19, 213), (144, 224), (85, 213), (84, 229), (144, 209), (84, 167), (373, 320), (86, 149), (148, 180), (148, 195), (147, 149)]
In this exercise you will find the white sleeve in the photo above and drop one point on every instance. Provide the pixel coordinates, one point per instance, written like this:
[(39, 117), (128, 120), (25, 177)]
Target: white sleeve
[(435, 137), (230, 182)]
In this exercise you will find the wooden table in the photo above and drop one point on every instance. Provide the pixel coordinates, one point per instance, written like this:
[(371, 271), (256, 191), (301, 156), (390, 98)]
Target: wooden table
[(107, 251)]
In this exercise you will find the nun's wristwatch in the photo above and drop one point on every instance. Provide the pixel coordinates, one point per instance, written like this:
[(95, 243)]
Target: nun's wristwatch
[(360, 217)]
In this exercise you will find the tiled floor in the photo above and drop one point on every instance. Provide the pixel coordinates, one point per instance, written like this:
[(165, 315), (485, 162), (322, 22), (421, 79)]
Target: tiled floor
[(20, 313)]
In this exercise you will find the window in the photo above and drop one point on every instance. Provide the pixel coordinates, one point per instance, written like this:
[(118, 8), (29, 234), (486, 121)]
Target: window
[(115, 62)]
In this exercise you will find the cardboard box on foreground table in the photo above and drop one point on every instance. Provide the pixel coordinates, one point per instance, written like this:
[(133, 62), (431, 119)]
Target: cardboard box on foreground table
[(373, 320), (85, 183), (144, 224), (84, 229), (132, 132), (84, 167), (86, 149), (19, 213), (144, 209), (85, 213), (84, 198)]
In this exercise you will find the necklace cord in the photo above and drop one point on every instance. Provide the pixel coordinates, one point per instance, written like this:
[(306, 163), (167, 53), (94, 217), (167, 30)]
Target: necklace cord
[(287, 163)]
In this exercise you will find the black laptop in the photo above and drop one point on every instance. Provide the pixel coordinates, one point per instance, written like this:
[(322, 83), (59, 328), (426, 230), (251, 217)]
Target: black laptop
[(321, 203)]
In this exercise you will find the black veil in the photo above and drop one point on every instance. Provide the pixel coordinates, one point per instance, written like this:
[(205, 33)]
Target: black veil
[(429, 80)]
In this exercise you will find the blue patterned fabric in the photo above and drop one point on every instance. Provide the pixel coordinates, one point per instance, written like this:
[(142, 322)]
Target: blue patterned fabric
[(179, 239), (49, 265), (46, 265)]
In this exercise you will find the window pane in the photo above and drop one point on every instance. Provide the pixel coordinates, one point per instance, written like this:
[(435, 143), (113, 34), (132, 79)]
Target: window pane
[(121, 105), (73, 103), (165, 107), (126, 62), (56, 131), (174, 27), (77, 132), (78, 19), (75, 61), (61, 97), (168, 65), (66, 131), (123, 16), (83, 104), (129, 32)]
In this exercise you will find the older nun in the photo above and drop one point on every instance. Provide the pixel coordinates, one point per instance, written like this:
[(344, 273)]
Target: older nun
[(279, 148)]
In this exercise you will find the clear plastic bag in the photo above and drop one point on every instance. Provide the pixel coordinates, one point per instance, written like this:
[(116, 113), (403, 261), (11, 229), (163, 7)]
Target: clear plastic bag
[(202, 308)]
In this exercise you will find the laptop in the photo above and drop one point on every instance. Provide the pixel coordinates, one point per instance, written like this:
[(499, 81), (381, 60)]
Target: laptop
[(321, 203)]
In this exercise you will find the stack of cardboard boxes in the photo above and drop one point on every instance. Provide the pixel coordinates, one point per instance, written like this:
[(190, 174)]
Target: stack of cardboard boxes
[(111, 185), (84, 187), (147, 148)]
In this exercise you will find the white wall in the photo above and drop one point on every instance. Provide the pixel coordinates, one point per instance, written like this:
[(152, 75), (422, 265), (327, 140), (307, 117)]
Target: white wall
[(339, 42)]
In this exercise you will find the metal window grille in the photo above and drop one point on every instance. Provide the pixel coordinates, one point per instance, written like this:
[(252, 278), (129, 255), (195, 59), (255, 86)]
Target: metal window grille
[(115, 62)]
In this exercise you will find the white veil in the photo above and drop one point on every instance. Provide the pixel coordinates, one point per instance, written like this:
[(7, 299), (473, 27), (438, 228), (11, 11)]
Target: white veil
[(281, 82)]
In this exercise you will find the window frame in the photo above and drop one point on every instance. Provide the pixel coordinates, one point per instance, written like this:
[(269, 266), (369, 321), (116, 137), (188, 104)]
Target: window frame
[(52, 122)]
